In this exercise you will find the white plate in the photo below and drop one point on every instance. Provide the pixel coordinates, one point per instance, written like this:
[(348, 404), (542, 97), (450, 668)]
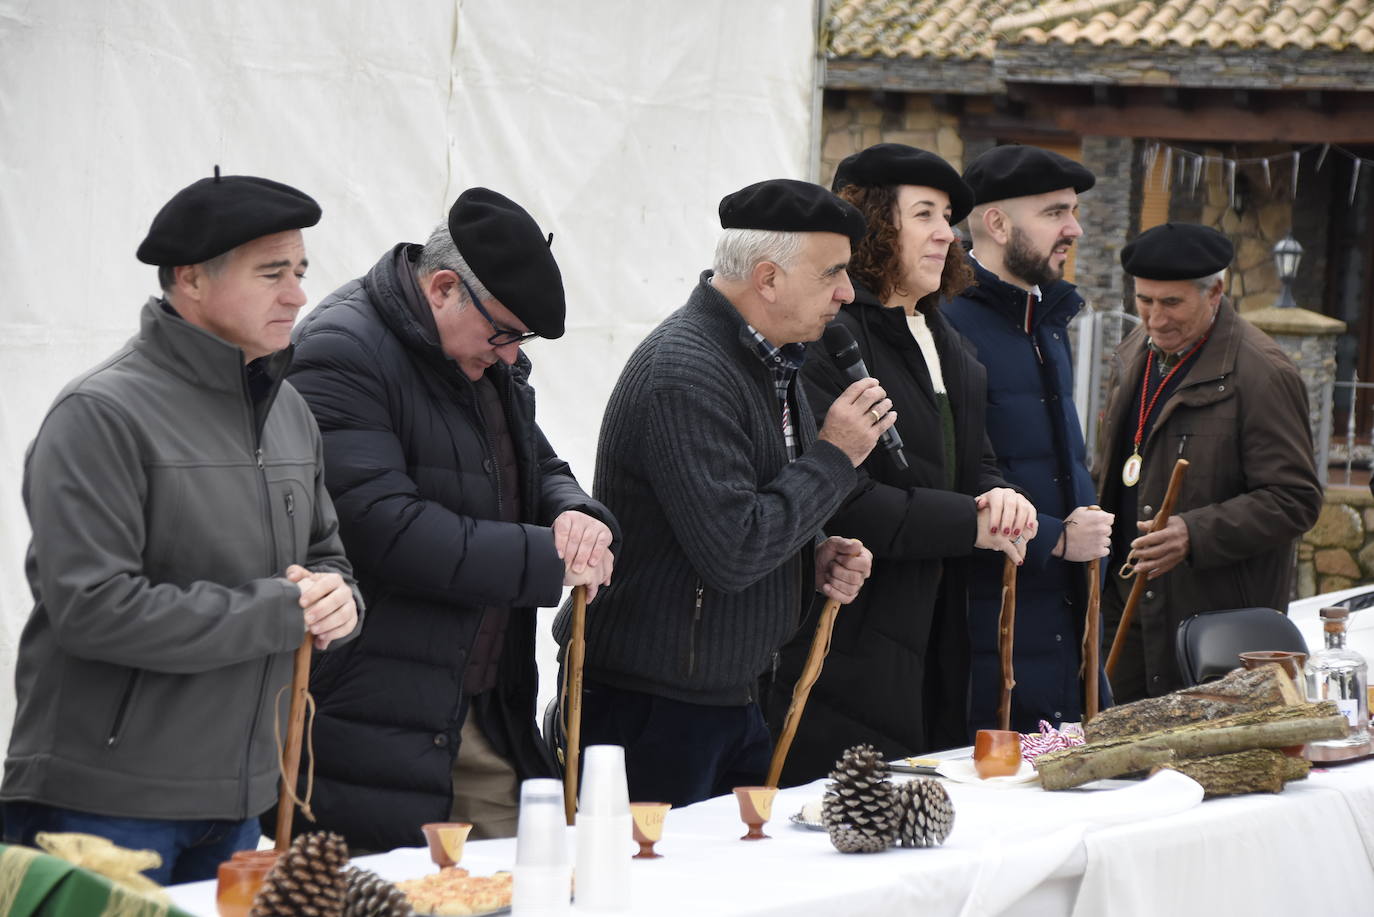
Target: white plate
[(961, 770)]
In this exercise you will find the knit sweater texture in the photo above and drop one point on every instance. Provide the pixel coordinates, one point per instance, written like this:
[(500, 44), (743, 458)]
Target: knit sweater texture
[(716, 572)]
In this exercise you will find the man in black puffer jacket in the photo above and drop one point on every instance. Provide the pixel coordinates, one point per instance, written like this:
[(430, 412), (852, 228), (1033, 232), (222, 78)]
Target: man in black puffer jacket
[(461, 516)]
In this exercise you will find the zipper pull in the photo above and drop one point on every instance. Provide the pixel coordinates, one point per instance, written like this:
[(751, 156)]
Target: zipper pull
[(290, 504), (1182, 441), (258, 453)]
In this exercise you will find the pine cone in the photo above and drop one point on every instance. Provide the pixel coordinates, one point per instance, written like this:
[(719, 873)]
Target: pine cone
[(925, 814), (308, 881), (369, 895), (848, 840), (857, 809)]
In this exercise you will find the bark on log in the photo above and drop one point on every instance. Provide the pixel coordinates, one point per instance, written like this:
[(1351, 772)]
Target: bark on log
[(1064, 771), (1259, 770), (1070, 767), (1238, 692)]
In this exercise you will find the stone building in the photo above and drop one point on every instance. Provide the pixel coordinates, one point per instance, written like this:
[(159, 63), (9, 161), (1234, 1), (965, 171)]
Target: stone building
[(1252, 116), (1186, 109)]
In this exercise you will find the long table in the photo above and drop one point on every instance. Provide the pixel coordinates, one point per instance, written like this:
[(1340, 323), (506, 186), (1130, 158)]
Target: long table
[(1146, 848)]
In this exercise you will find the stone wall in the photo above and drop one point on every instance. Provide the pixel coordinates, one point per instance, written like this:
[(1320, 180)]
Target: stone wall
[(1265, 218), (1108, 215), (1339, 550), (852, 121)]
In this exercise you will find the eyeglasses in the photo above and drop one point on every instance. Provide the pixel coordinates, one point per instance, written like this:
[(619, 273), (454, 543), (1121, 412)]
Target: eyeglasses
[(502, 336)]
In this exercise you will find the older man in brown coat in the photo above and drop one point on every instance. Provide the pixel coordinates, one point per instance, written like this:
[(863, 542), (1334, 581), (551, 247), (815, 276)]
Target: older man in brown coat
[(1196, 381)]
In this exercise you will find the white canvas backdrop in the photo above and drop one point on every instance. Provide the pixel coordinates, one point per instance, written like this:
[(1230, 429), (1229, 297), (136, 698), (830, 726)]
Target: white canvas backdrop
[(618, 123)]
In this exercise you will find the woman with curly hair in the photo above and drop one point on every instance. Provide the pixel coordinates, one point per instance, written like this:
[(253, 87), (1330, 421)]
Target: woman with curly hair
[(898, 671)]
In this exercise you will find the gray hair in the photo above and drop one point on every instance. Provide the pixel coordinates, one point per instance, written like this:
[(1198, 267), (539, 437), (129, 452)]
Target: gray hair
[(739, 251), (1205, 283), (440, 254), (167, 273)]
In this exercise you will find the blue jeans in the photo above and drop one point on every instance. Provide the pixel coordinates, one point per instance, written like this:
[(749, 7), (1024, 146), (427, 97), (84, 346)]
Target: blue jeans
[(191, 849)]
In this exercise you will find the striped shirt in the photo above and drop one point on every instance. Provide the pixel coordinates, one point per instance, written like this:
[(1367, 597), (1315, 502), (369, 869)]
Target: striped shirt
[(783, 362)]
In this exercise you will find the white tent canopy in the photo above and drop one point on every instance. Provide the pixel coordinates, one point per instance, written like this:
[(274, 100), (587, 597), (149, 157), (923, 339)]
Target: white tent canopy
[(618, 123)]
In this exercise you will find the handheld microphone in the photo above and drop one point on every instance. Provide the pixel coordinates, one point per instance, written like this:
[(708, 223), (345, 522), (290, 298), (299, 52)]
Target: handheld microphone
[(844, 350)]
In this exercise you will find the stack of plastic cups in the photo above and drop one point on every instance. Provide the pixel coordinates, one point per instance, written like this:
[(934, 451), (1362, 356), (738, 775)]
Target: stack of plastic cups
[(543, 870), (605, 833)]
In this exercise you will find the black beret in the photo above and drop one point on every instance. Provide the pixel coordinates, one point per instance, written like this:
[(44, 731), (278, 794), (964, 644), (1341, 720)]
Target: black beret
[(213, 215), (899, 164), (505, 249), (1019, 171), (1177, 251), (787, 205)]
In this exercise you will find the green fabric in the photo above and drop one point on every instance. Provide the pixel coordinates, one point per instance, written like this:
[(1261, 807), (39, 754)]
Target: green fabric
[(34, 883), (947, 432)]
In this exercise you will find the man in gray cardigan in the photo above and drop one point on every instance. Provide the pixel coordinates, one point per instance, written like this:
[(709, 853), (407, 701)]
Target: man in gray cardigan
[(710, 458)]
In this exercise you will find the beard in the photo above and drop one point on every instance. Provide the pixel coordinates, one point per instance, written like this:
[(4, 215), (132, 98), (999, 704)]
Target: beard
[(1025, 262)]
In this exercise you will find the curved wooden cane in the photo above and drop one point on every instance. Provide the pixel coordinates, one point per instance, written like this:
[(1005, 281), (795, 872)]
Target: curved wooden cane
[(1006, 632), (1166, 509), (291, 760), (820, 646), (577, 649)]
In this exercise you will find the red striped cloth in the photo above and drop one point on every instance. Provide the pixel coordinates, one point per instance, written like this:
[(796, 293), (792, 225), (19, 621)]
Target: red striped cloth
[(1050, 739)]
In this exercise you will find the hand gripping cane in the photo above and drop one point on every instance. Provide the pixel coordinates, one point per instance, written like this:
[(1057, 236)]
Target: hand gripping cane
[(1166, 509)]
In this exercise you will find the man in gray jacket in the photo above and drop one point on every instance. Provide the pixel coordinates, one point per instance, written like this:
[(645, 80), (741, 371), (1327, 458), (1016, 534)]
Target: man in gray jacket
[(710, 458), (183, 547)]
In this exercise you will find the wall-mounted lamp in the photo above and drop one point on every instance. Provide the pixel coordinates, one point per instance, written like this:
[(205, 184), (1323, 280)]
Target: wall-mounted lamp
[(1287, 255)]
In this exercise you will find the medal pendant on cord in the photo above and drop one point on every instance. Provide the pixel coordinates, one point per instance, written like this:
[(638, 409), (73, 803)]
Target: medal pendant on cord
[(1130, 472)]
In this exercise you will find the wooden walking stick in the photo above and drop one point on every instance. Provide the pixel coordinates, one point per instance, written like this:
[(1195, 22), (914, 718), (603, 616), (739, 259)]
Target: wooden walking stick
[(1006, 632), (1092, 640), (577, 649), (820, 646), (1166, 509), (295, 730)]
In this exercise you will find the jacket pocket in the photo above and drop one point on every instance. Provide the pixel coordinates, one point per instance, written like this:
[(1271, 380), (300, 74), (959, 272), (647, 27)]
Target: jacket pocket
[(694, 632), (122, 711)]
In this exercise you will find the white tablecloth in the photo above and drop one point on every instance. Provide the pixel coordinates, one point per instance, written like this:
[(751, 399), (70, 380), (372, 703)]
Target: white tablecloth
[(1147, 848)]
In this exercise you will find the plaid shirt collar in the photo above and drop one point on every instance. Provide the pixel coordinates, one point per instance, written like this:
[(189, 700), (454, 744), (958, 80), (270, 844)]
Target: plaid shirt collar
[(784, 360)]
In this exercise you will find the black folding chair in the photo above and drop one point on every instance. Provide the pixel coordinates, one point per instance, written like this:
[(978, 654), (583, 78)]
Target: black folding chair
[(1207, 644)]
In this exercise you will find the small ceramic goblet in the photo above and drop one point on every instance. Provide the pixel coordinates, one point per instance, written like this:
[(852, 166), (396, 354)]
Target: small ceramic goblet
[(446, 839), (239, 879), (755, 808), (997, 752), (648, 827)]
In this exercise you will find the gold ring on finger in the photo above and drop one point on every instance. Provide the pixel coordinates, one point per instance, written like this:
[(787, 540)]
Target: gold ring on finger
[(873, 412)]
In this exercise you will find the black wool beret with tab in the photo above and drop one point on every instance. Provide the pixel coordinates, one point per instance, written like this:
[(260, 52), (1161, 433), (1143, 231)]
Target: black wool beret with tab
[(787, 205), (898, 164), (1013, 170), (1177, 251), (502, 244), (213, 215)]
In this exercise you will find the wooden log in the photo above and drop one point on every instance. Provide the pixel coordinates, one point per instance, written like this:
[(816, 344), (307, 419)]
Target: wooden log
[(1319, 710), (1238, 692), (1258, 770), (1071, 767), (1062, 771)]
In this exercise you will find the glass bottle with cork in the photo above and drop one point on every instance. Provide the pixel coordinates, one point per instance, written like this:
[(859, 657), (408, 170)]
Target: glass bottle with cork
[(1338, 673)]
